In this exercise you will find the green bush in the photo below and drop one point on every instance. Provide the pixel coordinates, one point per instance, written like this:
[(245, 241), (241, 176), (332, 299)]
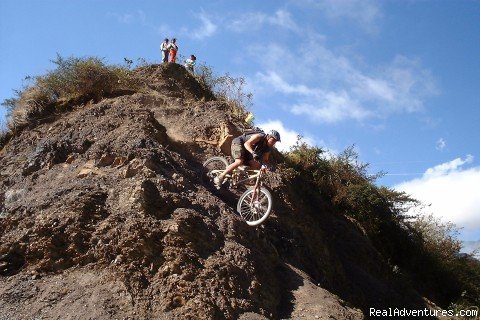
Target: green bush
[(73, 81), (460, 273), (85, 79), (438, 236), (422, 249)]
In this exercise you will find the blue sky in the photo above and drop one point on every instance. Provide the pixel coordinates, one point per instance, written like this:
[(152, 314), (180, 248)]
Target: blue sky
[(398, 79)]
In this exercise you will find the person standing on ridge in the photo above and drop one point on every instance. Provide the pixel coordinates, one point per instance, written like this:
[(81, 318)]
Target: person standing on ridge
[(173, 50), (250, 149), (164, 47), (190, 64)]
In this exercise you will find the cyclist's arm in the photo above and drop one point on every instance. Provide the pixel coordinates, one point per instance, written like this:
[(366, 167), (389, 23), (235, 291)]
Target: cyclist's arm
[(250, 142)]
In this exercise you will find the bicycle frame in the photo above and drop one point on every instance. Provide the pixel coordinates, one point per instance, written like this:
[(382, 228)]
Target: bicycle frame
[(252, 174), (255, 203), (257, 174)]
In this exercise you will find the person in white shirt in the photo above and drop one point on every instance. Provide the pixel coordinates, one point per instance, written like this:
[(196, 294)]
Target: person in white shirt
[(190, 64), (164, 47)]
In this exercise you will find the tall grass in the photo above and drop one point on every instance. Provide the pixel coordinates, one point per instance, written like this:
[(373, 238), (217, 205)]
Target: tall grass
[(73, 81), (4, 132), (228, 89)]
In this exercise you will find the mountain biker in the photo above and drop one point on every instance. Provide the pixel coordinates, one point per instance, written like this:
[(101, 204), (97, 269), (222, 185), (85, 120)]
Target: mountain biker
[(250, 149)]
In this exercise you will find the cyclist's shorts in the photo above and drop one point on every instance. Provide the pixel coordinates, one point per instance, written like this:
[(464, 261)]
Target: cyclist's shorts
[(237, 151)]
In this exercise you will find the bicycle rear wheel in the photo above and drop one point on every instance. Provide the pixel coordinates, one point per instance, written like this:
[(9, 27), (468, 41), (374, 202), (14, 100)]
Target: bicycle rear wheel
[(212, 168), (255, 211)]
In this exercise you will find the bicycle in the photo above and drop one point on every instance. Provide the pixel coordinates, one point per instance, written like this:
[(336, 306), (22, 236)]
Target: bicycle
[(255, 204)]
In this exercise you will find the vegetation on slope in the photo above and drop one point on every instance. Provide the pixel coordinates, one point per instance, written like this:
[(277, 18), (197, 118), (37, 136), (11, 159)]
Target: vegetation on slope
[(77, 81), (420, 250), (73, 81)]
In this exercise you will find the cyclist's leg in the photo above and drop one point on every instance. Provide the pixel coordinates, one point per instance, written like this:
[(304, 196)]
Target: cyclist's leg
[(238, 155), (219, 179), (231, 167)]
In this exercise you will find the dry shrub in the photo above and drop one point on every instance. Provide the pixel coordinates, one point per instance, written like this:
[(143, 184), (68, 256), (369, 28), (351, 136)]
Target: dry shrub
[(32, 105), (4, 133), (74, 81), (228, 89), (85, 79)]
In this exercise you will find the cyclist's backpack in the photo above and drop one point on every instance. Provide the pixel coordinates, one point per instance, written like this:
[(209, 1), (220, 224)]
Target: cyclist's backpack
[(250, 131)]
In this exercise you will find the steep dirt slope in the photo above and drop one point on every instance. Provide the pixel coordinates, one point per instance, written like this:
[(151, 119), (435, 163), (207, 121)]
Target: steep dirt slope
[(103, 215)]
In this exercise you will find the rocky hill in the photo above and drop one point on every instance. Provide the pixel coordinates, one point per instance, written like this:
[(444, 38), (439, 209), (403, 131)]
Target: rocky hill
[(103, 216)]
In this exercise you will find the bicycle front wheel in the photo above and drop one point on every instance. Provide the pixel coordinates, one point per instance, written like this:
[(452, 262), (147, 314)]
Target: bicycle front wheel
[(212, 168), (255, 208)]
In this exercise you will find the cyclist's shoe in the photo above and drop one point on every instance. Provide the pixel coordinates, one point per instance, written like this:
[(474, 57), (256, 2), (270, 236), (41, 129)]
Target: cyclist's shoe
[(218, 182)]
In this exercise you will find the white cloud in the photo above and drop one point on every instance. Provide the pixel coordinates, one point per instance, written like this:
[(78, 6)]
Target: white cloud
[(334, 108), (142, 16), (247, 22), (256, 20), (278, 83), (448, 167), (124, 18), (163, 30), (283, 19), (371, 88), (128, 18), (452, 191), (329, 87), (316, 103), (441, 144), (206, 29), (289, 137), (410, 82), (365, 14), (471, 247)]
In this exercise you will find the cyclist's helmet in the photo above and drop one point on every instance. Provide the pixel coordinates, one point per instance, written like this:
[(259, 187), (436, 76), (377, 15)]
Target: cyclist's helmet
[(275, 135)]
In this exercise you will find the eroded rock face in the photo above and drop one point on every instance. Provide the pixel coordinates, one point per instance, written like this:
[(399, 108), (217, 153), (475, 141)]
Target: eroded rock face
[(103, 215)]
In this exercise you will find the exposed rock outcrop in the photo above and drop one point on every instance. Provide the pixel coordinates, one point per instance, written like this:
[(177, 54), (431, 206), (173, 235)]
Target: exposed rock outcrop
[(103, 215)]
